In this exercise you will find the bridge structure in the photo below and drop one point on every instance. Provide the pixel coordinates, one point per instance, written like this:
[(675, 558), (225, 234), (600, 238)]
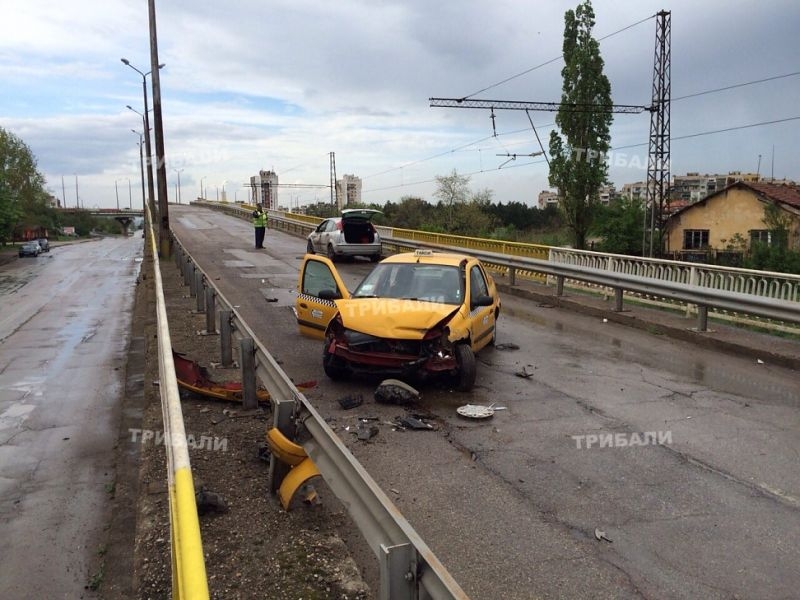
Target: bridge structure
[(123, 216)]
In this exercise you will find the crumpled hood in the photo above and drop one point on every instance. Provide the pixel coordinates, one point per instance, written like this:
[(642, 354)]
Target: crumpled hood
[(393, 318)]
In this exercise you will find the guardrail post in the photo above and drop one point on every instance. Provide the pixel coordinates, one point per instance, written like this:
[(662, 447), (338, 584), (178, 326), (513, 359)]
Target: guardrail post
[(692, 281), (187, 271), (211, 310), (398, 572), (512, 275), (559, 285), (193, 280), (618, 299), (702, 317), (225, 334), (282, 420), (199, 291), (247, 356)]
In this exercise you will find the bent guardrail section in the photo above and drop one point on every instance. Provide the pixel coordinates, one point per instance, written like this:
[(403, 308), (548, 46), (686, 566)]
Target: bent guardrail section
[(409, 569), (189, 579)]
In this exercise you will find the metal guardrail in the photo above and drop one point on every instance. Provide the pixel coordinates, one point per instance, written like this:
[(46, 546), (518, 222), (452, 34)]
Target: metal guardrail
[(785, 286), (409, 570), (605, 270), (189, 579)]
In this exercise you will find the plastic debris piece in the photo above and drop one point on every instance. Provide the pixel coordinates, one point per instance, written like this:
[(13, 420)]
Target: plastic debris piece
[(601, 535), (208, 501), (475, 411), (351, 401), (506, 346), (366, 432), (415, 423), (394, 391), (759, 361), (524, 373)]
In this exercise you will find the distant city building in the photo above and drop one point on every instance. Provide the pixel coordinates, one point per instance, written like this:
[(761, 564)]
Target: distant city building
[(264, 189), (546, 198), (608, 194), (634, 191), (348, 191)]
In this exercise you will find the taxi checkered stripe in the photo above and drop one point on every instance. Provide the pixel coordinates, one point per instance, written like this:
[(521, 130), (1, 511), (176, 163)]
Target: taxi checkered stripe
[(311, 298)]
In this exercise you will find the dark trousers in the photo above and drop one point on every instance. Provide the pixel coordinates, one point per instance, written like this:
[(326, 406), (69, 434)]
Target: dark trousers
[(260, 236)]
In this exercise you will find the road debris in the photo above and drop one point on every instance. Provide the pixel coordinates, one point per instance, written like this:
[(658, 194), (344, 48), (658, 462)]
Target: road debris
[(208, 502), (351, 401), (475, 411), (414, 422), (366, 432), (524, 373), (394, 391), (601, 535), (506, 346)]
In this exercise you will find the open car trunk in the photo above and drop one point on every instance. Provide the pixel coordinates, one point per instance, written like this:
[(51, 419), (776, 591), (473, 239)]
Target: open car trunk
[(358, 231)]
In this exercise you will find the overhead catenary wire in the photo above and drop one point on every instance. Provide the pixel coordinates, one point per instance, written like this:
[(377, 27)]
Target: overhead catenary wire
[(552, 60)]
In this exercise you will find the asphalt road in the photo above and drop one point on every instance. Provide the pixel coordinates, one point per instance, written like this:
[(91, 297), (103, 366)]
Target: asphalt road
[(685, 458), (64, 330)]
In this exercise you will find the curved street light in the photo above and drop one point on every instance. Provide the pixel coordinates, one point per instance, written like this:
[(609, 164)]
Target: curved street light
[(146, 125)]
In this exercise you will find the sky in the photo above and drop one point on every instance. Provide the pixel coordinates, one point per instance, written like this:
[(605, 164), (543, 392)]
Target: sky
[(250, 85)]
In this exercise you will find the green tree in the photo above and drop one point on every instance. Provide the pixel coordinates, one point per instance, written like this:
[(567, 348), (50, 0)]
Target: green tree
[(577, 165), (620, 226), (451, 190), (22, 193)]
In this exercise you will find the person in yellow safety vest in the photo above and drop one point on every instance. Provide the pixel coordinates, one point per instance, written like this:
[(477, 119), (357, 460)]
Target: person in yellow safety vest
[(260, 224)]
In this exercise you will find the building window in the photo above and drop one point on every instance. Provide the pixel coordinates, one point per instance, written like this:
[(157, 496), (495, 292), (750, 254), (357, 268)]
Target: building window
[(695, 239), (760, 236)]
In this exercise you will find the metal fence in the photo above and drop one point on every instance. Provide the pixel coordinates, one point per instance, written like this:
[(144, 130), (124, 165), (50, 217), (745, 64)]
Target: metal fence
[(189, 579), (409, 569)]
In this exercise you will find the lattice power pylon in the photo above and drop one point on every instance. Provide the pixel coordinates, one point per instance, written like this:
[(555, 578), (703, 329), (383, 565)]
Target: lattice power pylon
[(658, 156)]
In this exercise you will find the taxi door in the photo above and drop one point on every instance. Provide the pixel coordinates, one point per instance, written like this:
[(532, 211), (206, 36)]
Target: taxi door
[(317, 276), (481, 318)]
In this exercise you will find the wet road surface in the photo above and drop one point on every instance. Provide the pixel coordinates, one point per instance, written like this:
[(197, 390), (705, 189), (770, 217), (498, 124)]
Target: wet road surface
[(63, 341), (685, 458)]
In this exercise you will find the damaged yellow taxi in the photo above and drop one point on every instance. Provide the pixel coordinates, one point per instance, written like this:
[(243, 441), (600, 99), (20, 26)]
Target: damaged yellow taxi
[(416, 315)]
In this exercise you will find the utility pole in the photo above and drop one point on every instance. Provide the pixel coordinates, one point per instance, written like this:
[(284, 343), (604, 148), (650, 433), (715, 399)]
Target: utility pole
[(165, 243), (63, 192), (334, 195), (658, 156), (77, 197), (116, 191), (130, 195)]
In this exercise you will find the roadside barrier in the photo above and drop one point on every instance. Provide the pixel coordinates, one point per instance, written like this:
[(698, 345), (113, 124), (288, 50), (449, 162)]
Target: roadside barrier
[(409, 570), (599, 273), (189, 579)]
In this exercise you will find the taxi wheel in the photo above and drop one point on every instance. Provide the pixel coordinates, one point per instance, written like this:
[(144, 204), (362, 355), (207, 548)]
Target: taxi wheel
[(332, 365), (465, 358), (310, 247)]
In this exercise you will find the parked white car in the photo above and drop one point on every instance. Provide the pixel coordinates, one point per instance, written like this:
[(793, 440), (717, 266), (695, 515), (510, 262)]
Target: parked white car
[(352, 234)]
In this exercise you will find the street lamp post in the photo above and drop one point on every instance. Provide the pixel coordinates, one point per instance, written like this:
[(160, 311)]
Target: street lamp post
[(130, 195), (116, 191), (146, 124), (146, 138), (179, 171), (201, 186), (141, 165)]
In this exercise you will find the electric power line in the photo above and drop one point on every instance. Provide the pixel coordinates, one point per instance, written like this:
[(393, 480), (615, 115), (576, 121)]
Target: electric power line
[(537, 162), (735, 85), (552, 60)]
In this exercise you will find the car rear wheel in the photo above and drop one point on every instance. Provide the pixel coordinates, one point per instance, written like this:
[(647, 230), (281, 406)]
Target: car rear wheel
[(331, 253), (310, 247), (375, 258), (467, 368), (332, 364)]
